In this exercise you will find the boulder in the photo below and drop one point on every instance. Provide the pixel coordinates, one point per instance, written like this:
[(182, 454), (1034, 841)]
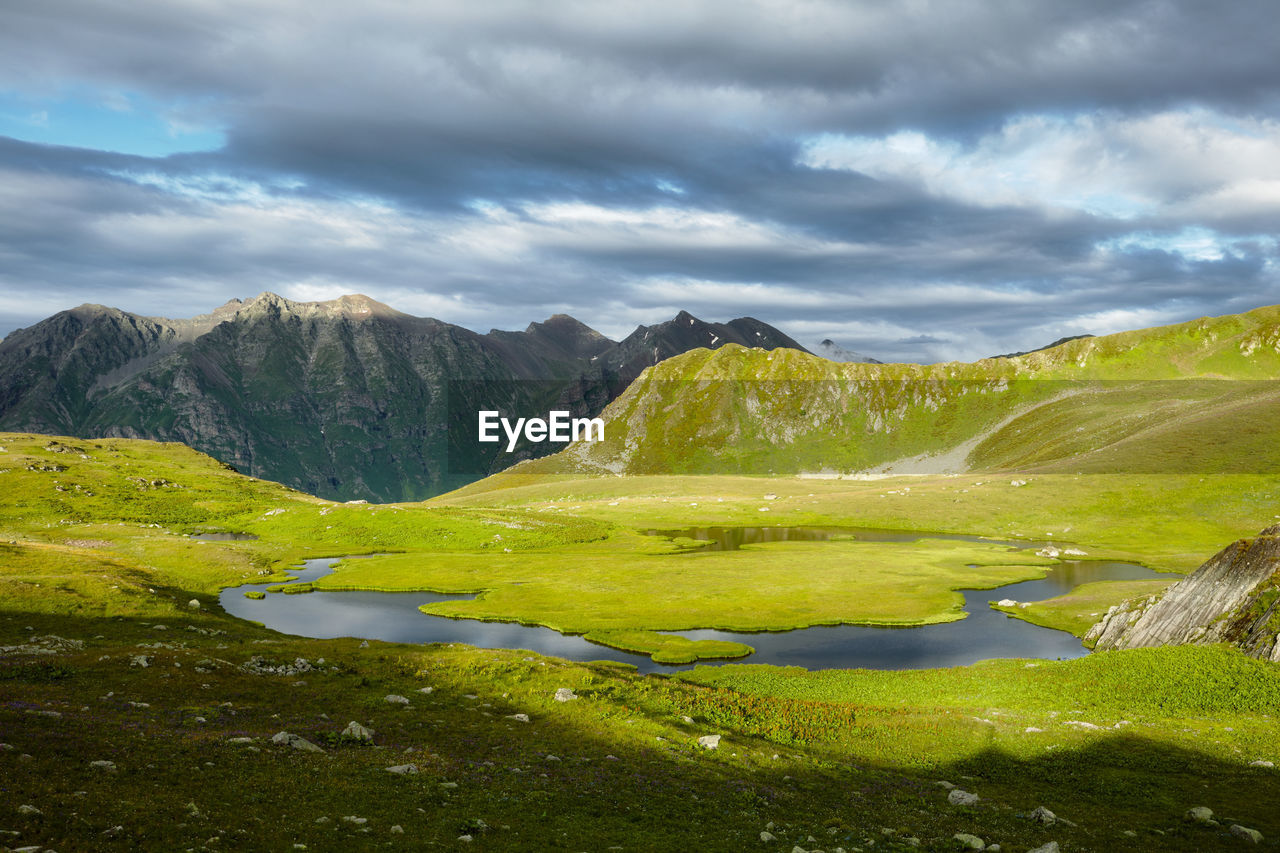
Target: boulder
[(1246, 834), (1043, 816), (959, 797), (403, 769), (295, 741), (355, 731)]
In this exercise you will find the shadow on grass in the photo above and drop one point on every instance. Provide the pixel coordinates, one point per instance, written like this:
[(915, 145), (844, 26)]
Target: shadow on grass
[(616, 767)]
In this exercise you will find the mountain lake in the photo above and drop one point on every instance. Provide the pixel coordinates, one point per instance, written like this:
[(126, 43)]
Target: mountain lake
[(983, 634)]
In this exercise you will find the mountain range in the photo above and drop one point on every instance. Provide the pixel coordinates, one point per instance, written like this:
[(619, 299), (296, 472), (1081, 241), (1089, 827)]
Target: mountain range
[(345, 399)]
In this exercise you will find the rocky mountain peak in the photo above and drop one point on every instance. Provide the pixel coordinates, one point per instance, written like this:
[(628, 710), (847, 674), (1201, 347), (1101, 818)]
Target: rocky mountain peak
[(352, 305), (832, 351)]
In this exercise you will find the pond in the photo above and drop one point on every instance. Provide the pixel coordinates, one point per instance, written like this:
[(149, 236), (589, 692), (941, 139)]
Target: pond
[(983, 634)]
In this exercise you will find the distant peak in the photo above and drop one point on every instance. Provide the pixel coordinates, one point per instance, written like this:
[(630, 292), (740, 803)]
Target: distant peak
[(350, 305), (358, 303), (686, 317), (562, 322), (266, 297)]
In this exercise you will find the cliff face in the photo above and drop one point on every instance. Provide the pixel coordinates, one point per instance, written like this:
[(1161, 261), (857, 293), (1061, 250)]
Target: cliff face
[(1233, 598), (344, 399)]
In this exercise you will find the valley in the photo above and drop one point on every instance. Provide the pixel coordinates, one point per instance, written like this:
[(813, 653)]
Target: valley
[(119, 558)]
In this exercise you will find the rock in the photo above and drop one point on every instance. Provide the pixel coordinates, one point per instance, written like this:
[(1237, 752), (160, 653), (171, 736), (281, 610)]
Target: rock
[(403, 769), (109, 766), (240, 740), (965, 841), (709, 741), (766, 837), (1051, 847), (258, 665), (959, 797), (564, 694), (465, 838), (1043, 816), (29, 810), (1048, 551), (944, 784), (397, 829), (425, 690), (1261, 762), (143, 661), (395, 699), (1245, 833), (194, 604), (1199, 814), (352, 819), (1225, 600), (519, 718), (288, 739), (355, 731), (1006, 602)]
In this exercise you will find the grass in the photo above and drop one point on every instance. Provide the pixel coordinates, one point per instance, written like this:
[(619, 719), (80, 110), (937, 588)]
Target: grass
[(640, 585), (840, 756), (1078, 610), (1171, 522), (1197, 397)]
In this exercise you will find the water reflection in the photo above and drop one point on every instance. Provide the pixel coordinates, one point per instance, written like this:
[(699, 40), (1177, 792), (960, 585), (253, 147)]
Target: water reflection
[(985, 633)]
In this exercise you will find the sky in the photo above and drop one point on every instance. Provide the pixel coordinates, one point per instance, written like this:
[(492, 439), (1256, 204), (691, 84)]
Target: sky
[(917, 180)]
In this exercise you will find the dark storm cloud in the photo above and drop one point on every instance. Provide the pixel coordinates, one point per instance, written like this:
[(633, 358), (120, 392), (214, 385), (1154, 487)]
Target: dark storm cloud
[(1064, 165)]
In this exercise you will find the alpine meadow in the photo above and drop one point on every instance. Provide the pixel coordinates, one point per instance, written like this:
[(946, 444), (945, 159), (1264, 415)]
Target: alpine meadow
[(732, 426), (139, 712)]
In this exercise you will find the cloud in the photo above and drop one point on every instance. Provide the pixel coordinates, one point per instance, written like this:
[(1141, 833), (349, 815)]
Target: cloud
[(919, 180)]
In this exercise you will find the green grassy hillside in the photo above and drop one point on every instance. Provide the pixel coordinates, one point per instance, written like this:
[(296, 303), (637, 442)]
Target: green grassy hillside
[(1198, 396)]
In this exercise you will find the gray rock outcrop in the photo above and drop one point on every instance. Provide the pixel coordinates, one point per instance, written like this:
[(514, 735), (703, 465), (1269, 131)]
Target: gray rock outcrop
[(1232, 598), (295, 741)]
